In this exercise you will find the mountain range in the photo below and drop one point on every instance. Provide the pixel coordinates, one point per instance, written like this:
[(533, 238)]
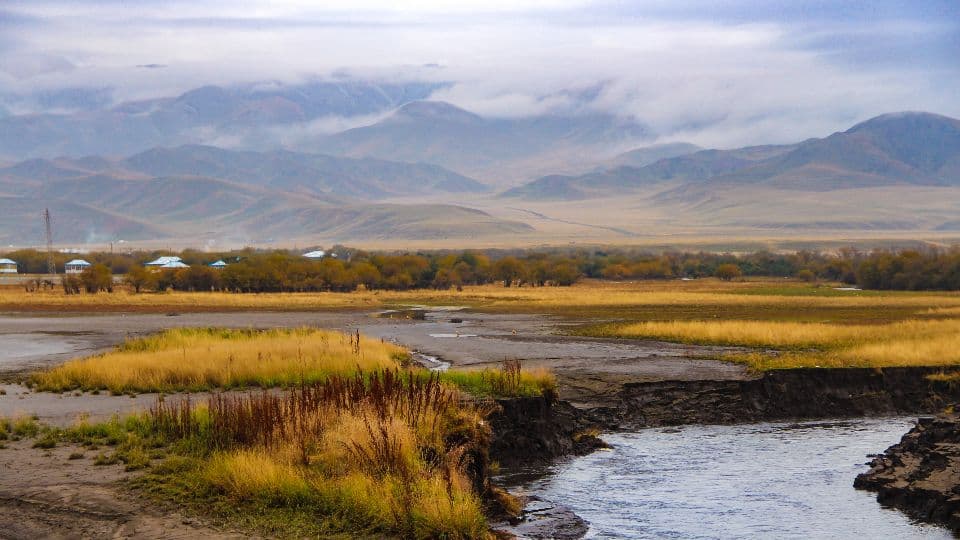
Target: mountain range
[(498, 151), (362, 119), (239, 195), (413, 168), (898, 149), (250, 113)]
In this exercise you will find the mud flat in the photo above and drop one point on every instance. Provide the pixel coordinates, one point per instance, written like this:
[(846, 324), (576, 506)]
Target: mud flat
[(920, 475), (45, 494)]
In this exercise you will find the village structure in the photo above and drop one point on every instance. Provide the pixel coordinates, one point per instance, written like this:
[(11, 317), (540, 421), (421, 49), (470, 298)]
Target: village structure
[(8, 266), (76, 266)]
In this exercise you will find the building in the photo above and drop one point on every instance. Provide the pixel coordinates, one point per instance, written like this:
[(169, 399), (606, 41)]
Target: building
[(219, 265), (162, 261), (174, 264), (76, 266), (8, 267), (318, 254)]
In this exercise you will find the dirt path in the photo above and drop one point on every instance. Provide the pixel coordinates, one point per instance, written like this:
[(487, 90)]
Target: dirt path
[(44, 494)]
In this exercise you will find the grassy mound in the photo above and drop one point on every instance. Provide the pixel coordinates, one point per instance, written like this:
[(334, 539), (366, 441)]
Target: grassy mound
[(194, 359), (372, 454)]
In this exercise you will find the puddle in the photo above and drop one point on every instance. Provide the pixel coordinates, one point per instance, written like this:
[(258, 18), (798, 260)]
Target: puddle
[(431, 362)]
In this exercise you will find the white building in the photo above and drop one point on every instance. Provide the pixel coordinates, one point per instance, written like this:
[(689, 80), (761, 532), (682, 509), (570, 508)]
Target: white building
[(219, 265), (318, 254), (163, 261), (76, 266), (174, 264), (8, 267)]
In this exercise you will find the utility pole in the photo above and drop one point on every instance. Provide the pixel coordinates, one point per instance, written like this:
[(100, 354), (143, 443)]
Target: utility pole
[(51, 266)]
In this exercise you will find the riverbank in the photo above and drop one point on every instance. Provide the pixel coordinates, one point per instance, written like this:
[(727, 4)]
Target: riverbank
[(605, 385), (920, 475), (541, 430)]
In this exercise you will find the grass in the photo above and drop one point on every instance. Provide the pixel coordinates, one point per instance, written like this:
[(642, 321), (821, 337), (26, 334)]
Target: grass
[(924, 342), (358, 444), (19, 427), (207, 358), (586, 298), (508, 381), (198, 359), (376, 454), (784, 335)]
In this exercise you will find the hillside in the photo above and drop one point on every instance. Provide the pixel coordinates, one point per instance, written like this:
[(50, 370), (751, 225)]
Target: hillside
[(639, 157), (899, 148), (893, 149), (314, 174), (364, 178), (207, 193), (491, 149), (696, 167)]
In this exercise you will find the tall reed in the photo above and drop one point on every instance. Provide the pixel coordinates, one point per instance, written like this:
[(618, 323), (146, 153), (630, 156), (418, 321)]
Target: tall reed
[(405, 453)]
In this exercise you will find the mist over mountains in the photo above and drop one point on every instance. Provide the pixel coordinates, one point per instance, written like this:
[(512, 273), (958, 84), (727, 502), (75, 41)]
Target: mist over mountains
[(370, 161), (87, 123)]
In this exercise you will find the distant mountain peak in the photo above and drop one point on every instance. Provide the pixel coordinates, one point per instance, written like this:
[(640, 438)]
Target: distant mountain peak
[(904, 118), (436, 110)]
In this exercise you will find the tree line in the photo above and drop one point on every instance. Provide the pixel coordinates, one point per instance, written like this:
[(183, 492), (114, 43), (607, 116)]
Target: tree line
[(286, 271)]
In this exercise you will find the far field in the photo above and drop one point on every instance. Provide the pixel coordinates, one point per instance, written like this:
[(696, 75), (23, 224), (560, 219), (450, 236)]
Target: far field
[(786, 323)]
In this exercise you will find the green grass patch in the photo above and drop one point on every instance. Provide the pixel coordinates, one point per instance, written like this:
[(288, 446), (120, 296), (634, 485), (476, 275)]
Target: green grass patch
[(510, 380)]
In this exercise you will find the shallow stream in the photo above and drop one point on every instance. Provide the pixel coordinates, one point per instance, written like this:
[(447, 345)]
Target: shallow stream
[(784, 480)]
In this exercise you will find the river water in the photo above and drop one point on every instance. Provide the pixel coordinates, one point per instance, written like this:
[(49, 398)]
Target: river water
[(747, 481)]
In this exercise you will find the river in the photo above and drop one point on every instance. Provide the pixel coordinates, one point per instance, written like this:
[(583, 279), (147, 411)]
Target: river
[(772, 480)]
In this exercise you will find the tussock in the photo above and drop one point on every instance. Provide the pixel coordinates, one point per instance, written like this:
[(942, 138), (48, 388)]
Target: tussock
[(380, 452)]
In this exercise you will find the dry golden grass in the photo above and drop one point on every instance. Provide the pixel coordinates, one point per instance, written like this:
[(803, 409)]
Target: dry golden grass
[(588, 294), (253, 473), (384, 457), (936, 350), (788, 335), (905, 343), (199, 359), (122, 300)]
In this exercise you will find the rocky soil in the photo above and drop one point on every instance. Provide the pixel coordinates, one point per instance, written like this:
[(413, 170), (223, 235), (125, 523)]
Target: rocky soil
[(920, 475)]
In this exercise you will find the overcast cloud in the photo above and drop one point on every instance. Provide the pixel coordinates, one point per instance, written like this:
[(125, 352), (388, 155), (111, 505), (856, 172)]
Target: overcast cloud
[(749, 71)]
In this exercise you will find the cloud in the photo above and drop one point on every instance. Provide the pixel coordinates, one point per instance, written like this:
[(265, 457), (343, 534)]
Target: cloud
[(719, 73)]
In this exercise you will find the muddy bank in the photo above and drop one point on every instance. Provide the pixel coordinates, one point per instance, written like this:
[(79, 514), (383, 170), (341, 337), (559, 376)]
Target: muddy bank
[(920, 475), (777, 395), (536, 430), (528, 431), (532, 432)]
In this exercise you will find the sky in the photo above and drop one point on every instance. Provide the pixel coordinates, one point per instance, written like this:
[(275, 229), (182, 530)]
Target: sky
[(719, 74)]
